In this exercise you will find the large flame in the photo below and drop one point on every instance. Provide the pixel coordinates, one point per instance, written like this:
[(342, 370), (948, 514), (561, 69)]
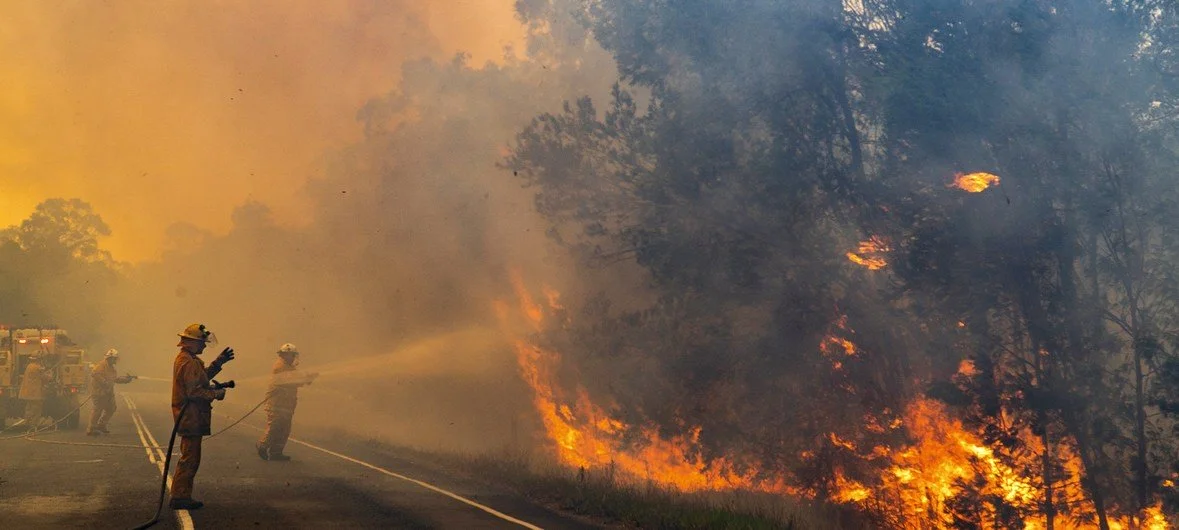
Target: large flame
[(975, 182), (921, 483), (947, 462), (587, 437)]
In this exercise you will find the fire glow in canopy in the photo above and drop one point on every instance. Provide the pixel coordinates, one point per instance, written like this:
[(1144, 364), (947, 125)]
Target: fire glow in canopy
[(975, 182)]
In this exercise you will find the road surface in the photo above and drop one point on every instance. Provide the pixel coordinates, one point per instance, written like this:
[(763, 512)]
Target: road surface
[(332, 482)]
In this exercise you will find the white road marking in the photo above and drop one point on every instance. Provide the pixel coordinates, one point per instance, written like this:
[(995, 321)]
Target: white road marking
[(423, 484), (426, 485), (157, 457)]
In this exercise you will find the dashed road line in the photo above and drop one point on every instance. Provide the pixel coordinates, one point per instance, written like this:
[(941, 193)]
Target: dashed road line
[(156, 455)]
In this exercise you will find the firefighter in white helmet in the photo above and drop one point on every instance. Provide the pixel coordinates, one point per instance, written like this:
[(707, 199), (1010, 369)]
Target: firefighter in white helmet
[(281, 398), (103, 378)]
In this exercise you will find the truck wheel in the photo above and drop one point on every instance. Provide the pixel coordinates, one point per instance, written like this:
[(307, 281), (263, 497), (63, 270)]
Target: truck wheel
[(71, 421)]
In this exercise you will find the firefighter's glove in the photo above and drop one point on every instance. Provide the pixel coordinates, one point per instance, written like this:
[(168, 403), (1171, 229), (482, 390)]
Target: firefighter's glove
[(219, 394), (226, 356)]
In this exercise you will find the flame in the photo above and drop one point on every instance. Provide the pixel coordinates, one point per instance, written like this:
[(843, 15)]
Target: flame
[(586, 436), (836, 348), (918, 483), (869, 253), (975, 182), (922, 480)]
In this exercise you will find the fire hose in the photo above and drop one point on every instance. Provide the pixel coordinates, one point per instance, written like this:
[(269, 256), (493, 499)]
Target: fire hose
[(140, 446), (168, 458), (52, 425)]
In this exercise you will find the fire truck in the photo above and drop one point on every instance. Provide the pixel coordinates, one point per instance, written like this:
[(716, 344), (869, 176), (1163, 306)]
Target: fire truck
[(62, 359)]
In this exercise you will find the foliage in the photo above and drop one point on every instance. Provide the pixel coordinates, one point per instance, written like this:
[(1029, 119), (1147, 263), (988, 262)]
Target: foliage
[(775, 133)]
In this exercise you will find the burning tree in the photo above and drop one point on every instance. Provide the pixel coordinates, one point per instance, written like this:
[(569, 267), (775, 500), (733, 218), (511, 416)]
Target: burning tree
[(981, 359)]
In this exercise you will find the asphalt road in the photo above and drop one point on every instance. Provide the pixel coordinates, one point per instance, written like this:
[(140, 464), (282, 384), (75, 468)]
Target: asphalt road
[(332, 482)]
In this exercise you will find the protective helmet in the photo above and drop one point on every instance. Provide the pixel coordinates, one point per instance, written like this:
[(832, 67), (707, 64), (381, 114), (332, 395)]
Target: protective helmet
[(196, 332), (288, 348), (111, 353)]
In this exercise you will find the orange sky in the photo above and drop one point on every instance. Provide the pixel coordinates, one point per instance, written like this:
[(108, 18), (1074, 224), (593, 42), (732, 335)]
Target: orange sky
[(161, 111)]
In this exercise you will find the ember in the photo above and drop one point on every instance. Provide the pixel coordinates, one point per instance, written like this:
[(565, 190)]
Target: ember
[(975, 182), (869, 254)]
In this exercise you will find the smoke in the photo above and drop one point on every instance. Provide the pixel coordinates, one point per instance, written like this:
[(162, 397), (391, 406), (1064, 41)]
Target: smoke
[(383, 262), (160, 113)]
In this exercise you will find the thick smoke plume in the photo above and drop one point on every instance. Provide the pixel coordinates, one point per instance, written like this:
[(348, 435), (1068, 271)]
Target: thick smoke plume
[(165, 112)]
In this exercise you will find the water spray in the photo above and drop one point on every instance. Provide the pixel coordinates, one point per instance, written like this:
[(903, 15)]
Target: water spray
[(156, 379)]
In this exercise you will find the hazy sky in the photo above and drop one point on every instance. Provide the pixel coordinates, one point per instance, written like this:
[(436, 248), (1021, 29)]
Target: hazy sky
[(163, 111)]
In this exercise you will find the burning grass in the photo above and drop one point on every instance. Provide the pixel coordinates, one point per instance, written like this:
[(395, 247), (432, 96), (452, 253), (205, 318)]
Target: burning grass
[(608, 496)]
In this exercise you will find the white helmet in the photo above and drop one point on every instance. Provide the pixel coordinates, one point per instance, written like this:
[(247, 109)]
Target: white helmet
[(111, 353), (288, 348)]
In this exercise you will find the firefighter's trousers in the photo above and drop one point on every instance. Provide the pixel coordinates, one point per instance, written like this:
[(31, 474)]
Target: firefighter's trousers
[(278, 429), (104, 408), (34, 409), (186, 468)]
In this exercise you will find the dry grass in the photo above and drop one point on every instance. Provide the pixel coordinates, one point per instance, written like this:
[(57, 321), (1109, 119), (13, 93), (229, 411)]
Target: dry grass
[(609, 498)]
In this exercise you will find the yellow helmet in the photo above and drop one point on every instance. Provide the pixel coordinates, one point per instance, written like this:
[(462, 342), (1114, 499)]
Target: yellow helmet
[(111, 353), (197, 332), (288, 348)]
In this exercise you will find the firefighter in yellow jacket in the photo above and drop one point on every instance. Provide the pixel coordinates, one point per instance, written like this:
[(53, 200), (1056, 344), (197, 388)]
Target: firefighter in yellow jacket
[(281, 398), (192, 408), (32, 390), (103, 378)]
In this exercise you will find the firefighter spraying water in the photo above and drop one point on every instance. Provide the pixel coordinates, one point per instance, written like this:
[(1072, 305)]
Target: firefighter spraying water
[(103, 378), (281, 398)]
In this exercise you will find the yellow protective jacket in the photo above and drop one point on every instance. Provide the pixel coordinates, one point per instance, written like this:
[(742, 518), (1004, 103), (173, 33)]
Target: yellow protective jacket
[(190, 384), (33, 385), (103, 378), (283, 393)]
